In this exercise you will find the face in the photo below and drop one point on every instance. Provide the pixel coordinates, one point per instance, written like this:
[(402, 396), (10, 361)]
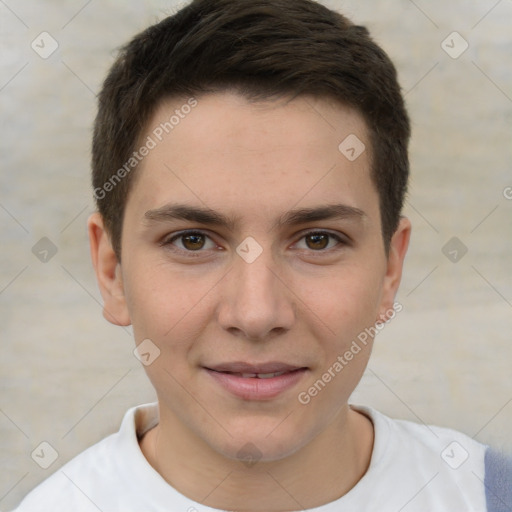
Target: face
[(252, 258)]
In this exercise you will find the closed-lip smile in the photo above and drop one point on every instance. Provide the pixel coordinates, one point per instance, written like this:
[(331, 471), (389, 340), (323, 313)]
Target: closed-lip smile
[(256, 381)]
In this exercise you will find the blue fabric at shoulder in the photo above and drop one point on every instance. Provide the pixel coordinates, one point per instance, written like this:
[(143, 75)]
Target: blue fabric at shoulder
[(498, 481)]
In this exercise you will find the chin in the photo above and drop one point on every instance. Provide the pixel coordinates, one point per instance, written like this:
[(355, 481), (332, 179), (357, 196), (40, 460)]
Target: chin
[(262, 443)]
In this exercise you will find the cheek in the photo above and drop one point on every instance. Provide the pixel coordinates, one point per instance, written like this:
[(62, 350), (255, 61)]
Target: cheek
[(166, 306), (347, 303), (349, 308)]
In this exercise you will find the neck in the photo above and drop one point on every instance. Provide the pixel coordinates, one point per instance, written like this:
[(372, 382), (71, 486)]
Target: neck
[(318, 473)]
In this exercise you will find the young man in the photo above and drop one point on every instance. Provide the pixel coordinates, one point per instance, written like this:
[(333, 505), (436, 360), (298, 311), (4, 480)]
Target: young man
[(249, 166)]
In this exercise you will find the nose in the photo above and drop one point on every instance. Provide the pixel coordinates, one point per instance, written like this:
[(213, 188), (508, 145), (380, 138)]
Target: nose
[(257, 303)]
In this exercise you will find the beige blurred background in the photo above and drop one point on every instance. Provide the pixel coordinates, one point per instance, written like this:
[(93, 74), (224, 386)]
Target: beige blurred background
[(67, 376)]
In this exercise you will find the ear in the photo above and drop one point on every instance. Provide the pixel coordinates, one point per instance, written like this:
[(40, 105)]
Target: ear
[(397, 251), (108, 272)]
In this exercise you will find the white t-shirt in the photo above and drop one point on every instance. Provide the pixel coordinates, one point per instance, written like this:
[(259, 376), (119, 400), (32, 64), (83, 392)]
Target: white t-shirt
[(413, 468)]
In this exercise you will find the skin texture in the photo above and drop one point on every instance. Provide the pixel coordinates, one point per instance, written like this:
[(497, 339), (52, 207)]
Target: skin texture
[(302, 301)]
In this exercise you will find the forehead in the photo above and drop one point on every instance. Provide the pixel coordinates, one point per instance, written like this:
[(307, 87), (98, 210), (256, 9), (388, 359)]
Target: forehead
[(227, 152)]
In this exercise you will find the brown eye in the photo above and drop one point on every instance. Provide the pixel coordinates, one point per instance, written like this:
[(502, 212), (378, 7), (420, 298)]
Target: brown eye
[(317, 241), (193, 242), (321, 242), (190, 241)]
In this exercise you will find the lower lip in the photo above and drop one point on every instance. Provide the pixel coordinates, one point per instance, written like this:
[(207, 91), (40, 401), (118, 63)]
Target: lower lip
[(252, 388)]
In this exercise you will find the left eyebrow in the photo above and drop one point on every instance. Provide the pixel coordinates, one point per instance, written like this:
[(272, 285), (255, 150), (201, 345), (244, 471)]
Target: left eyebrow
[(330, 212)]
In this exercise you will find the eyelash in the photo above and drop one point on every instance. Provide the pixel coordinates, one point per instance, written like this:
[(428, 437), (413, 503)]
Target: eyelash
[(168, 241)]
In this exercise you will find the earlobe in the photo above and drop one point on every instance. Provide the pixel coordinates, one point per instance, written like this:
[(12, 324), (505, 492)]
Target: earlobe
[(397, 251), (108, 272)]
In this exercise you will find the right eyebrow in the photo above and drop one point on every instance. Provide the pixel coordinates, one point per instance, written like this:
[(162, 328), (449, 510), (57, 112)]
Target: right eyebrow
[(190, 213)]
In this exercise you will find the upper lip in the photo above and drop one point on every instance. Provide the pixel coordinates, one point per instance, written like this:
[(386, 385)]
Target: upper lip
[(242, 367)]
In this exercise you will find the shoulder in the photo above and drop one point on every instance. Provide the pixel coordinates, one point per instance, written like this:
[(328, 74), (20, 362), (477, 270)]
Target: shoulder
[(446, 468), (498, 480), (64, 489), (455, 461), (86, 481), (446, 445)]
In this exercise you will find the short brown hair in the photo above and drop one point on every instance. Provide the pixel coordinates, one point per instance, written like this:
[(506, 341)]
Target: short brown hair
[(262, 49)]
